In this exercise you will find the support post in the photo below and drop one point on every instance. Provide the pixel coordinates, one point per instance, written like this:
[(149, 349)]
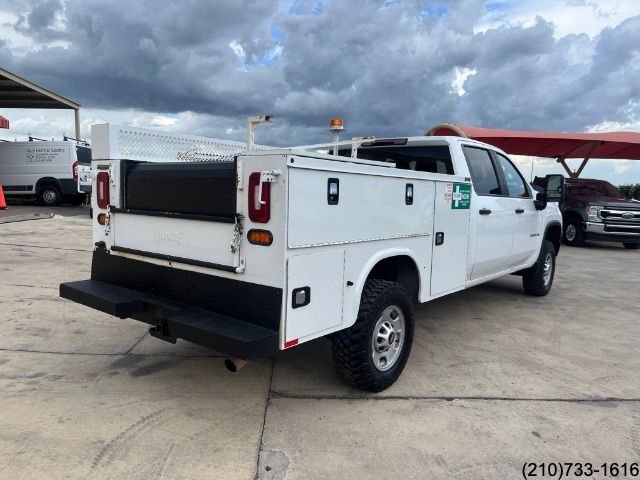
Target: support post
[(562, 160), (252, 124), (77, 118)]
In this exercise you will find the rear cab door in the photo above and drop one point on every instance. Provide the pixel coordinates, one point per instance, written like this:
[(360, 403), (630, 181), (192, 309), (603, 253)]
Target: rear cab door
[(492, 214)]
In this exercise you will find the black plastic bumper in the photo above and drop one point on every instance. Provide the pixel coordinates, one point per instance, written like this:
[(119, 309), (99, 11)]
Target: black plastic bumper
[(171, 320)]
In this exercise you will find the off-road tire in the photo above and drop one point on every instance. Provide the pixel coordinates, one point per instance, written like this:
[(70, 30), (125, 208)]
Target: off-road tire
[(631, 246), (49, 195), (576, 240), (534, 280), (352, 347)]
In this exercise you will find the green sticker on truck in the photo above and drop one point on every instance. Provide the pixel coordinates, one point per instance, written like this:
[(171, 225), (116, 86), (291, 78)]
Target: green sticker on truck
[(460, 196)]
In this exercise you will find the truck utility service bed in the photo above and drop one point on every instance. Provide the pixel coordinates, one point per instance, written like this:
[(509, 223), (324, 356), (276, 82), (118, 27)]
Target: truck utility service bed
[(273, 248)]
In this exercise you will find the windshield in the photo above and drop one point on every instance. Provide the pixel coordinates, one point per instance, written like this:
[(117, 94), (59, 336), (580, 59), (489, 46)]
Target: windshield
[(596, 188)]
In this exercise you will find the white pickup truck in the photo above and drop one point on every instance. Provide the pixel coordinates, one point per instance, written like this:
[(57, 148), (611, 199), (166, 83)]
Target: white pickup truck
[(265, 250)]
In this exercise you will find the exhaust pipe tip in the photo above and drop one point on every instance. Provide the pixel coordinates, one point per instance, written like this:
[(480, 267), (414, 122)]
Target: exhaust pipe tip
[(234, 364)]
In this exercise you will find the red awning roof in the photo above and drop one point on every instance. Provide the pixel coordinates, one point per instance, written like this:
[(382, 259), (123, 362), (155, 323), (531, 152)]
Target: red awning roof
[(615, 145), (4, 123)]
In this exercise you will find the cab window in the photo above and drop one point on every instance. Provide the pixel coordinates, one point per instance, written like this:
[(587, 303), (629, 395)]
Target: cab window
[(427, 158), (515, 183), (483, 173)]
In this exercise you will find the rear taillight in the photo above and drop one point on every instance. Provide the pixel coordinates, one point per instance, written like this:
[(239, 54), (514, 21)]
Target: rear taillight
[(75, 171), (102, 187), (259, 201)]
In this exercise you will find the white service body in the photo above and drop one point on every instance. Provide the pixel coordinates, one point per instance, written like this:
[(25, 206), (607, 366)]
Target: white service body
[(438, 244)]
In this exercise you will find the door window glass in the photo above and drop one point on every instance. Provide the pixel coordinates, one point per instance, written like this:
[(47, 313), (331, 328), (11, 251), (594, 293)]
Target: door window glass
[(515, 183), (483, 174)]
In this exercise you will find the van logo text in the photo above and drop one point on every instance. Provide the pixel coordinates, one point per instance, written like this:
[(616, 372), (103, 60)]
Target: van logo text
[(175, 237)]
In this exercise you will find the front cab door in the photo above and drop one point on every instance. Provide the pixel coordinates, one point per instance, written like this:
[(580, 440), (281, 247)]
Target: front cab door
[(526, 232)]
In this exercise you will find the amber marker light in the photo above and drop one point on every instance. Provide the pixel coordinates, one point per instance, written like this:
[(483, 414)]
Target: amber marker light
[(260, 237), (336, 124)]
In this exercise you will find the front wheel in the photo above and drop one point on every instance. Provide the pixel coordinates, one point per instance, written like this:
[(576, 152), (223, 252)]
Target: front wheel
[(538, 279), (631, 246), (372, 353), (574, 233)]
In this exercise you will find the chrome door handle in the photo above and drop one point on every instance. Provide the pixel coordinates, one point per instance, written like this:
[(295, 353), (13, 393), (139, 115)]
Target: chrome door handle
[(519, 210)]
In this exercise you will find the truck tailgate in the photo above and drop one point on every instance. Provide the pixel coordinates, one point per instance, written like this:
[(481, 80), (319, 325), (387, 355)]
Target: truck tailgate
[(194, 242), (178, 211)]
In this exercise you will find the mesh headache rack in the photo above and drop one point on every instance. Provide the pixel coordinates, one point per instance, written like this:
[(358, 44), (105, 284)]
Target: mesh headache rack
[(120, 142)]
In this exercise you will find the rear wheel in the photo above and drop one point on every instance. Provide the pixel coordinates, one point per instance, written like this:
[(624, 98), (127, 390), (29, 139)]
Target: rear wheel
[(632, 246), (538, 279), (373, 352), (49, 195), (573, 233)]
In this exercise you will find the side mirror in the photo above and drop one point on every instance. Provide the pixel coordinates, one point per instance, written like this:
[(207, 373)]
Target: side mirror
[(554, 191), (541, 201)]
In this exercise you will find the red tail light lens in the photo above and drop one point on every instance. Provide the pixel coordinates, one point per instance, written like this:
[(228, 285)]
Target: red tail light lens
[(102, 190), (75, 171), (259, 208)]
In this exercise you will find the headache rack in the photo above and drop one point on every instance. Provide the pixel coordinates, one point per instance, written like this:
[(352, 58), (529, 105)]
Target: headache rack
[(144, 145)]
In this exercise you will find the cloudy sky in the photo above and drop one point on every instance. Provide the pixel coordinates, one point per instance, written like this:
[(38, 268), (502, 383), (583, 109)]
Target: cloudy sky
[(393, 67)]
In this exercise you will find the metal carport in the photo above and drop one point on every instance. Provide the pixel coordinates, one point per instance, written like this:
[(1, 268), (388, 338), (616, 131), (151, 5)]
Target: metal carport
[(558, 145), (17, 92)]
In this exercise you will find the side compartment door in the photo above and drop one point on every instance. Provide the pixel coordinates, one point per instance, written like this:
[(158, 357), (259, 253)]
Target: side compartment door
[(315, 286), (450, 236)]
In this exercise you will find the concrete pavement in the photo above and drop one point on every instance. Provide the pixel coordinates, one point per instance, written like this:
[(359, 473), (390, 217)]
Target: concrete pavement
[(495, 379)]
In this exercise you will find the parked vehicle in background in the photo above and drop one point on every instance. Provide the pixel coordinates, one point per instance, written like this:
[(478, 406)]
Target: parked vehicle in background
[(47, 170), (596, 210), (83, 154), (260, 251)]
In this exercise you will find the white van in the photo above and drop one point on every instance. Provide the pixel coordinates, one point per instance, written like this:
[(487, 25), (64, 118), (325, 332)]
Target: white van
[(45, 169)]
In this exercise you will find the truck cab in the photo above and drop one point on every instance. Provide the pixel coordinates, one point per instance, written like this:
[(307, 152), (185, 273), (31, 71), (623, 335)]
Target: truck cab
[(596, 210), (258, 250)]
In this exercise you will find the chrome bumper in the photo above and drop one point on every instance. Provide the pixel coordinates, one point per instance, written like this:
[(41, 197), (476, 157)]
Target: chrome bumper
[(601, 229)]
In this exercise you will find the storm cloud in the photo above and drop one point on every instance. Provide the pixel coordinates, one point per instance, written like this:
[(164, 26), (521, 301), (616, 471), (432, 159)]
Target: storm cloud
[(386, 67)]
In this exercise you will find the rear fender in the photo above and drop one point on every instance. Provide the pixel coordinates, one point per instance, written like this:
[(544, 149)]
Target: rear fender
[(353, 304)]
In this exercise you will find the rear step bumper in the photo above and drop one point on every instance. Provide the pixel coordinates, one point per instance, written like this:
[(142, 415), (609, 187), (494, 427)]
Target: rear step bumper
[(171, 320)]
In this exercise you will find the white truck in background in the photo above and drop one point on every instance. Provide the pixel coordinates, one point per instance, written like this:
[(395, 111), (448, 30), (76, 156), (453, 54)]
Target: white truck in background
[(263, 250), (48, 170)]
